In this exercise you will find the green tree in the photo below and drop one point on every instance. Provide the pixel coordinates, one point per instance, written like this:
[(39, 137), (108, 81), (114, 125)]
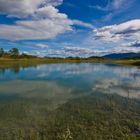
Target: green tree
[(14, 52), (1, 52)]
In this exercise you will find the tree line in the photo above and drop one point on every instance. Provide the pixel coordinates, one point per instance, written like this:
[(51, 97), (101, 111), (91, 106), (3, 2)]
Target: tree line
[(14, 53)]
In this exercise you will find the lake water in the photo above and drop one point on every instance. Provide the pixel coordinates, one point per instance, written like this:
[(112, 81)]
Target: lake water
[(70, 101)]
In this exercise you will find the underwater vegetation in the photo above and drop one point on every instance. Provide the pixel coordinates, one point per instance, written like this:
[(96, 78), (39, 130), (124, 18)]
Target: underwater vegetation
[(96, 116)]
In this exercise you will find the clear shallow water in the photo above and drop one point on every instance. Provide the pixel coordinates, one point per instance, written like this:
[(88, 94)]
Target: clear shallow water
[(77, 101)]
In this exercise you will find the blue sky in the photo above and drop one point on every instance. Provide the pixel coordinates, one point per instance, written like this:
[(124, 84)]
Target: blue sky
[(70, 27)]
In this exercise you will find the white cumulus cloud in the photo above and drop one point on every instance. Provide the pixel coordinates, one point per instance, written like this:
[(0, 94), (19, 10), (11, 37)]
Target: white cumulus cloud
[(114, 33), (40, 29), (40, 19), (24, 8)]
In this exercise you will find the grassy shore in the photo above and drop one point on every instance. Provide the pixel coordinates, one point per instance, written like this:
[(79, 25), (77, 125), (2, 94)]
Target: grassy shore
[(9, 62), (135, 62), (25, 62)]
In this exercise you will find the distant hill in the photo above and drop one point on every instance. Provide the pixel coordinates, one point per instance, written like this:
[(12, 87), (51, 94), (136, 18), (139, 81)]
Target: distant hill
[(123, 56), (95, 57)]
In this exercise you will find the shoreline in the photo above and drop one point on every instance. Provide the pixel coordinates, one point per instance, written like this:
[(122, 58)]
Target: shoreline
[(26, 62)]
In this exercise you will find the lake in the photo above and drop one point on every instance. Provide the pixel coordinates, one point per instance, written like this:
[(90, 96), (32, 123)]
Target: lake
[(81, 101)]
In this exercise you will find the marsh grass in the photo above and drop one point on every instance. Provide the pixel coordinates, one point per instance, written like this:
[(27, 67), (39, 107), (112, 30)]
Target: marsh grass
[(27, 62)]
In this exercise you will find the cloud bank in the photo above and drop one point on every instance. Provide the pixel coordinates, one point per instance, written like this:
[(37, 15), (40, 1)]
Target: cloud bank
[(40, 19), (24, 8), (125, 31)]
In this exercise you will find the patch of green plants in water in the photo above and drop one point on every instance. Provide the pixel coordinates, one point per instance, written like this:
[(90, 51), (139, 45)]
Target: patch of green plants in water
[(92, 117)]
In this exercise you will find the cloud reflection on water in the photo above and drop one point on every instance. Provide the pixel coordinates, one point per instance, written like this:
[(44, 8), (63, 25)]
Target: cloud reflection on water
[(69, 80)]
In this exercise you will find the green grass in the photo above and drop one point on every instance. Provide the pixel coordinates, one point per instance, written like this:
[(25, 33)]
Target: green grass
[(135, 62), (38, 61), (7, 63)]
